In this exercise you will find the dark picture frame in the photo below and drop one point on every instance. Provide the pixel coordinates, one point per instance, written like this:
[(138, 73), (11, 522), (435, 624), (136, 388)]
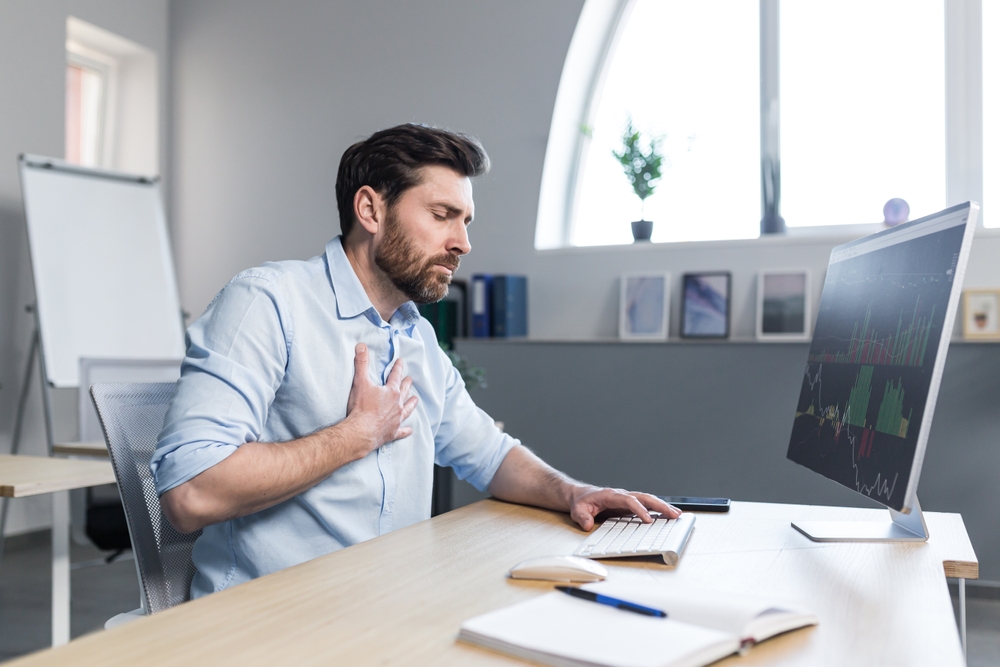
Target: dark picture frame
[(706, 302)]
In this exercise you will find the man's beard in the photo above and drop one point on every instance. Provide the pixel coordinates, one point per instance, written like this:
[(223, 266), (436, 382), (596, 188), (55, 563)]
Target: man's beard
[(419, 280)]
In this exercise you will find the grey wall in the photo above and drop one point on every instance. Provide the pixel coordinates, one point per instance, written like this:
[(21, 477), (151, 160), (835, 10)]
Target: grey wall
[(32, 120), (268, 95), (713, 419)]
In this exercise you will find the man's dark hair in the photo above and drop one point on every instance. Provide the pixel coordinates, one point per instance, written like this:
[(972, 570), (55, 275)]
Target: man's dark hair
[(389, 162)]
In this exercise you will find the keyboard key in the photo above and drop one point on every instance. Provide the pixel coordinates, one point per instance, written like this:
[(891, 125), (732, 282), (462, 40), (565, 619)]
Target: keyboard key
[(616, 546)]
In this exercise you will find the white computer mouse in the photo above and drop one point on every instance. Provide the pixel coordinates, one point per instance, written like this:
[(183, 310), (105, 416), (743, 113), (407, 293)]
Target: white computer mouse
[(559, 568)]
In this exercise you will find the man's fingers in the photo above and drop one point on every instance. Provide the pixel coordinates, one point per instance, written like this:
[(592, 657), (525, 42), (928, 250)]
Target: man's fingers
[(395, 375), (616, 499), (404, 387), (637, 508), (408, 408), (360, 363), (583, 517), (658, 505), (403, 432)]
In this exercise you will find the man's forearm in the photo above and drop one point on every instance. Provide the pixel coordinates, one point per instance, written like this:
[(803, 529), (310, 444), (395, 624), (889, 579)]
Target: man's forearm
[(526, 479), (259, 475)]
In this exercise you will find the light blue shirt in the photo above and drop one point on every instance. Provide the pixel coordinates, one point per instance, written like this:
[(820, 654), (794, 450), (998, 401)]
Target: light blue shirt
[(271, 360)]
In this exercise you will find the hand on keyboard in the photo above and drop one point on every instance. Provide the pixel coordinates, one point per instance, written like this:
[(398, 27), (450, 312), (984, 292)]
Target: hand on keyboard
[(588, 502)]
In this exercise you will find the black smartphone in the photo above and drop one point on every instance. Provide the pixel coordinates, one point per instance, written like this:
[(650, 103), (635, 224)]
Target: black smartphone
[(697, 504)]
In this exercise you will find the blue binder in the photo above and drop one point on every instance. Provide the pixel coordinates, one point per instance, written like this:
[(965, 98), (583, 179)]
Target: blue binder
[(482, 309), (510, 306)]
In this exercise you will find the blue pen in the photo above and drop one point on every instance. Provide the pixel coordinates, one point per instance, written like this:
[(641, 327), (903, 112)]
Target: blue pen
[(612, 602)]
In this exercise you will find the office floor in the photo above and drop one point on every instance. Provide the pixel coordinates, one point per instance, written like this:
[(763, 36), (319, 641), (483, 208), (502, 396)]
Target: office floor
[(98, 593), (101, 592)]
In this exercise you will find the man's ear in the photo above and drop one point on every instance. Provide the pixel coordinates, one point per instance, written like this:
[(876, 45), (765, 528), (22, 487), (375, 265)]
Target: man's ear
[(369, 209)]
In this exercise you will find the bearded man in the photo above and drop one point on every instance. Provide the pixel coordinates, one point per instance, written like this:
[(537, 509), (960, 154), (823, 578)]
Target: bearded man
[(314, 400)]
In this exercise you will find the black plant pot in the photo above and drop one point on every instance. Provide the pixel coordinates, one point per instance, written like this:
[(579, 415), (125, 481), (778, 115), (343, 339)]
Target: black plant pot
[(642, 230)]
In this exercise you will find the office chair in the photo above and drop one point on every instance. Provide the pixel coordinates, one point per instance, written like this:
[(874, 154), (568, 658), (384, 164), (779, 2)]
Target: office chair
[(132, 417), (98, 515)]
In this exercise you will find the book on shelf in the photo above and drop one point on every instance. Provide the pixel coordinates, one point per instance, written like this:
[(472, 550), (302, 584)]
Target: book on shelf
[(482, 293), (449, 315), (443, 316), (510, 306), (702, 627)]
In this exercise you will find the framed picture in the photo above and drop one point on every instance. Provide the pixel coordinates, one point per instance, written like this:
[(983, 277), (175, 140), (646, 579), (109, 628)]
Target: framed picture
[(783, 305), (981, 314), (644, 306), (705, 305)]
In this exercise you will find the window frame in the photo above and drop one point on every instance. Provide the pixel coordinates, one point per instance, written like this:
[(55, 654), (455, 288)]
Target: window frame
[(592, 48)]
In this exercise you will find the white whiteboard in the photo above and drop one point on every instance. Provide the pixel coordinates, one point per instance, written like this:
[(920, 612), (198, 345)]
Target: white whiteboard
[(104, 275)]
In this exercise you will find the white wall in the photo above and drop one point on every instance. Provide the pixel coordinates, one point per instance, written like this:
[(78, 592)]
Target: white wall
[(574, 291), (32, 108)]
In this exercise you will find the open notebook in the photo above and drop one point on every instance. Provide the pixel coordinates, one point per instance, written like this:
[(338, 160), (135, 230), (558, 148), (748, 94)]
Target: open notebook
[(703, 626)]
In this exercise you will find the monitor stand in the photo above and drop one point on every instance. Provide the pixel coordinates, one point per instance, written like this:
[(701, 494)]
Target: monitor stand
[(903, 528)]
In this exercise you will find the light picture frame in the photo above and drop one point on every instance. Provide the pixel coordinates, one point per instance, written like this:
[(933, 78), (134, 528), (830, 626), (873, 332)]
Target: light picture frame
[(784, 305), (981, 314), (706, 302), (644, 307)]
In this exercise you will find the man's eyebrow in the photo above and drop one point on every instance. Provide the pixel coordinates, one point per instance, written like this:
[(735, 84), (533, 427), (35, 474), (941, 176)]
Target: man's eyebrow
[(452, 210)]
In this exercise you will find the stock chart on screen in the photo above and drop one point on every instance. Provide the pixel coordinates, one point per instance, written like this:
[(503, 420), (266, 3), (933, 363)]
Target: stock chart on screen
[(870, 375)]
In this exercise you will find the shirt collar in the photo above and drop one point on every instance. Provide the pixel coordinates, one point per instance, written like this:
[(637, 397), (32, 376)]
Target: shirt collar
[(352, 300)]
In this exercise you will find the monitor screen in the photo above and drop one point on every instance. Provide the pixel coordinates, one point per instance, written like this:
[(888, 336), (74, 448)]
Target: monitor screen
[(878, 351)]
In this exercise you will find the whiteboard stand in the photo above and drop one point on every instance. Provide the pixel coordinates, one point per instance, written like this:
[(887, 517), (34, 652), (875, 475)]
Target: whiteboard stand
[(22, 405)]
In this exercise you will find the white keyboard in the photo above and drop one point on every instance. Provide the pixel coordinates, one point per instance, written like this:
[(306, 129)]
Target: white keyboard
[(629, 536)]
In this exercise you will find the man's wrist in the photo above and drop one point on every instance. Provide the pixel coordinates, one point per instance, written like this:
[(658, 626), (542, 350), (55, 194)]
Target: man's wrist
[(576, 491), (352, 438)]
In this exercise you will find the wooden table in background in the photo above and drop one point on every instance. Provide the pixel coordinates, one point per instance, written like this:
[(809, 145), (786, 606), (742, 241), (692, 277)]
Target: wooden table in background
[(96, 448), (399, 599), (22, 476)]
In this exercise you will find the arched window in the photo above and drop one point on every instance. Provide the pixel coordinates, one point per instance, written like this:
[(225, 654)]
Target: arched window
[(839, 114)]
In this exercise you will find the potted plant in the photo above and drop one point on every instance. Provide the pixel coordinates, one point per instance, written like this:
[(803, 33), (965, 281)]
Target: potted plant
[(643, 170)]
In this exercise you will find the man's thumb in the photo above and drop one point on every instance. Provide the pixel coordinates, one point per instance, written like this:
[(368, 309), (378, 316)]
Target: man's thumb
[(361, 362)]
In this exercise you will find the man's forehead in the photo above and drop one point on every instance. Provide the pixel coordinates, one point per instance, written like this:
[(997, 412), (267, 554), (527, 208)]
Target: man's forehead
[(442, 183)]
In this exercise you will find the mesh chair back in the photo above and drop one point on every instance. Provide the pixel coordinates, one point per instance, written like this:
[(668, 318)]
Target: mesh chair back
[(132, 418)]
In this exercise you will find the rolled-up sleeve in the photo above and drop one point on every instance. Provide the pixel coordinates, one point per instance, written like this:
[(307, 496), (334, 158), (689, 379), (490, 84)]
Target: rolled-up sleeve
[(468, 439), (236, 357)]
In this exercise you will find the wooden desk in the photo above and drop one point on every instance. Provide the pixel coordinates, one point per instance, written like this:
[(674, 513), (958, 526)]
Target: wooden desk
[(399, 599), (97, 448), (22, 476)]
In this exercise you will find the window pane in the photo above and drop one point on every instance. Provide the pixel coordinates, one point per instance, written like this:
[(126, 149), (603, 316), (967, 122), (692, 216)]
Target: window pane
[(991, 114), (84, 114), (862, 109), (73, 84), (689, 72)]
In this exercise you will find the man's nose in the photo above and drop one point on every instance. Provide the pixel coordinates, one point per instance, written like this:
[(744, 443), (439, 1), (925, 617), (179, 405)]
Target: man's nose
[(460, 243)]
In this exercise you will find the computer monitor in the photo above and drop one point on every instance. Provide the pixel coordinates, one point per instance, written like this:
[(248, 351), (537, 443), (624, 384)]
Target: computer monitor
[(878, 351)]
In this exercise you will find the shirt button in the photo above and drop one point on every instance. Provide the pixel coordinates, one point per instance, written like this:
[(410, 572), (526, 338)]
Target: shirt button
[(382, 449)]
